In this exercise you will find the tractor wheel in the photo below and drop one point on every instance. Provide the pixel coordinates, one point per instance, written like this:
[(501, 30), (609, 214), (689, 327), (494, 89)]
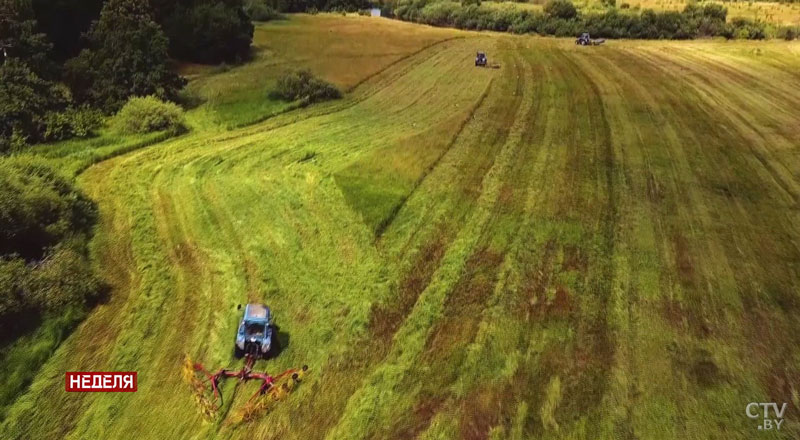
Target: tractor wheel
[(237, 352)]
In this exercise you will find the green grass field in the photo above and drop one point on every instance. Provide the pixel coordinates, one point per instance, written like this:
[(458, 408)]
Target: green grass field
[(598, 243)]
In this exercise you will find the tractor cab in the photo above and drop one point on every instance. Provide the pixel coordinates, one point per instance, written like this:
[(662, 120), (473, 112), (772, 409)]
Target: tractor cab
[(255, 332), (480, 59)]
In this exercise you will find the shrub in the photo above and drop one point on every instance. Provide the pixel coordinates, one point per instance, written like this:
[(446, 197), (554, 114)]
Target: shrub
[(560, 9), (259, 11), (72, 122), (24, 100), (438, 13), (62, 278), (625, 6), (745, 29), (788, 33), (13, 296), (147, 114), (38, 209), (304, 86)]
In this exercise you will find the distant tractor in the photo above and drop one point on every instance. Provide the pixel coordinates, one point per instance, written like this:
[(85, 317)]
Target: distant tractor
[(586, 40), (480, 59), (255, 336)]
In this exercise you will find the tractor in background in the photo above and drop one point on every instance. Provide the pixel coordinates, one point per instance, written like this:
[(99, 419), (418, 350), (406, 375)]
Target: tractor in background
[(585, 40), (481, 60)]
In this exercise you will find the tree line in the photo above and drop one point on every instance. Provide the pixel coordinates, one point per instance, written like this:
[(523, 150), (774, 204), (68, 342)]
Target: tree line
[(561, 18)]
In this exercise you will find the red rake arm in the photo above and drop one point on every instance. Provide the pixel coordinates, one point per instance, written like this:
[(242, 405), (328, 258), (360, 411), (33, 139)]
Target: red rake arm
[(244, 374)]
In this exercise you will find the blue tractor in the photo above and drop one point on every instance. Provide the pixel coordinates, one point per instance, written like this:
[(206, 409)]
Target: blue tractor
[(481, 60), (256, 336), (585, 40)]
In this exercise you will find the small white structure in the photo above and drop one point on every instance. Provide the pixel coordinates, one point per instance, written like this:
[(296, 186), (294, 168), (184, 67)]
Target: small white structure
[(375, 12)]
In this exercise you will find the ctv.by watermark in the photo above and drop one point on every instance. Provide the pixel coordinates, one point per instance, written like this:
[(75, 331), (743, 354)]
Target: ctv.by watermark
[(765, 411)]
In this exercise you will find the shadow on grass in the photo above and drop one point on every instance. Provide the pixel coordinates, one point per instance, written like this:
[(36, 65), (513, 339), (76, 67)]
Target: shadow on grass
[(280, 340)]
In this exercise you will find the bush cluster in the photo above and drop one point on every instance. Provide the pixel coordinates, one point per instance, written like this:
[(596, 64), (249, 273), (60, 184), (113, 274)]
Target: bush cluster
[(260, 10), (71, 123), (314, 6), (788, 33), (44, 225), (147, 114), (561, 18), (303, 85), (33, 109)]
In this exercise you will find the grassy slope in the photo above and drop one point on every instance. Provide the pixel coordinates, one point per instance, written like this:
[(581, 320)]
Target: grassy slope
[(588, 243)]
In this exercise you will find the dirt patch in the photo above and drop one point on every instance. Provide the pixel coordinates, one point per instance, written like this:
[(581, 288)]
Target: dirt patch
[(463, 305), (654, 192), (505, 197), (697, 364), (535, 281), (480, 411), (575, 259), (772, 340), (560, 303), (683, 260), (385, 319), (420, 418), (685, 318)]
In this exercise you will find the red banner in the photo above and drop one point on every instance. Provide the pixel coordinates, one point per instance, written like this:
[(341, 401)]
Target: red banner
[(85, 381)]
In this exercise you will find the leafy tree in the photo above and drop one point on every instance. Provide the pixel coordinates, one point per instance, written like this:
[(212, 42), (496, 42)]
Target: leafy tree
[(260, 10), (209, 32), (64, 22), (560, 9), (19, 38), (25, 100), (127, 55)]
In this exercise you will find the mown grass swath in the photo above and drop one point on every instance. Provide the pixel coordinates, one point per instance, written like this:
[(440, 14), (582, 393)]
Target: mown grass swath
[(584, 243)]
